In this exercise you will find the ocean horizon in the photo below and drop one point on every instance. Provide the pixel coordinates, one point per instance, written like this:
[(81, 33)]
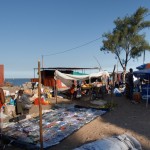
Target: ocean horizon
[(17, 81)]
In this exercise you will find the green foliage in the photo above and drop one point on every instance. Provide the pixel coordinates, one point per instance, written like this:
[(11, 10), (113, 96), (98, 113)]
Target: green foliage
[(126, 37)]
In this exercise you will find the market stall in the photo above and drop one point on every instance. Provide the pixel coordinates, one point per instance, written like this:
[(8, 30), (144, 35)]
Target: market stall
[(144, 74), (68, 78)]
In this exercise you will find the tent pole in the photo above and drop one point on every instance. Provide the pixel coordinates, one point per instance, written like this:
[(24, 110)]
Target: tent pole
[(147, 94), (40, 107), (90, 90), (56, 90), (113, 83)]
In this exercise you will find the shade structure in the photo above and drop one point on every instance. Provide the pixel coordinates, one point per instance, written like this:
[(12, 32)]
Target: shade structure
[(144, 74), (144, 66)]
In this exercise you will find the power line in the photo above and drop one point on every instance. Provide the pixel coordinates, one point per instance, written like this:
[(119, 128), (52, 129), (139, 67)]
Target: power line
[(73, 48), (79, 45)]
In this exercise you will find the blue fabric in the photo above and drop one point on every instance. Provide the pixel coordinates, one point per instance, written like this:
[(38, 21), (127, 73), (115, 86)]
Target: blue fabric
[(142, 73), (12, 102)]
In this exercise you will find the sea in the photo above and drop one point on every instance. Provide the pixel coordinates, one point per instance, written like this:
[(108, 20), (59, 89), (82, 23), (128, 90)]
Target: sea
[(17, 81)]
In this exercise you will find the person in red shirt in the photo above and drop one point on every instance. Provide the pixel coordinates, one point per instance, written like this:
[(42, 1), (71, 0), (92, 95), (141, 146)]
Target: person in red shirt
[(2, 97)]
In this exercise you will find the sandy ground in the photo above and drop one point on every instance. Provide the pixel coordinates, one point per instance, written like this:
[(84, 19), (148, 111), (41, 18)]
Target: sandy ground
[(133, 119)]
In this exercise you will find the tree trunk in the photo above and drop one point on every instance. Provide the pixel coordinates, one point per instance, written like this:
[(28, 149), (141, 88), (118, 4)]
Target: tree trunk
[(124, 74)]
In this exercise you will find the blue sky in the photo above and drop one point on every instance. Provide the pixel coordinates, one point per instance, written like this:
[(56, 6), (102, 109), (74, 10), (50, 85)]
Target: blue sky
[(32, 28)]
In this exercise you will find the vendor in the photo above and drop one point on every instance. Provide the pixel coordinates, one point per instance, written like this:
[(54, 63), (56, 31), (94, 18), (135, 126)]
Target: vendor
[(23, 103)]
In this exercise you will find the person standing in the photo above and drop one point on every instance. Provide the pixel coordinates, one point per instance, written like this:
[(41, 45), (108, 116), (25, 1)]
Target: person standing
[(131, 84), (2, 97), (23, 103), (12, 99)]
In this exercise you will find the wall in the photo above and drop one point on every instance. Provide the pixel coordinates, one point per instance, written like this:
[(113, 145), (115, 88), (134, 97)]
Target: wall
[(1, 74)]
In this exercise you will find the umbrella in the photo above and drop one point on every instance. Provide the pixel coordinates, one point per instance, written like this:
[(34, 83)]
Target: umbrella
[(144, 74), (144, 66)]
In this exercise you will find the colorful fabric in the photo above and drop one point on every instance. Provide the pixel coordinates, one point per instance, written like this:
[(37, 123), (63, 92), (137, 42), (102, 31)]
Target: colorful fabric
[(57, 124)]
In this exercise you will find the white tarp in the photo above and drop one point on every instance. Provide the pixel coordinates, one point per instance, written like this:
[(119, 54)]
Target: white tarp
[(120, 142), (67, 78)]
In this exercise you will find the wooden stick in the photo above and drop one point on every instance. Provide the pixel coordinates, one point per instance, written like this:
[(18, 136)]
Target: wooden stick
[(113, 84), (40, 107), (56, 90)]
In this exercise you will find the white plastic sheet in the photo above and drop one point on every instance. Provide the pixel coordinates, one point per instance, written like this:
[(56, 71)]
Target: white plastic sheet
[(121, 142), (67, 78)]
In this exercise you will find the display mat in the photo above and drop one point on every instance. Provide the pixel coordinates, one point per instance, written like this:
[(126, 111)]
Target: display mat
[(57, 124)]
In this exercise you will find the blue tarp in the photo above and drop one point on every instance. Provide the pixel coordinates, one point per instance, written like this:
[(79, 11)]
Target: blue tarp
[(144, 66), (142, 73)]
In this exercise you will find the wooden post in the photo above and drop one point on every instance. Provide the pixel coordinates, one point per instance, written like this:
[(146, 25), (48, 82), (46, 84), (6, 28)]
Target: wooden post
[(113, 84), (56, 90), (114, 76), (40, 107)]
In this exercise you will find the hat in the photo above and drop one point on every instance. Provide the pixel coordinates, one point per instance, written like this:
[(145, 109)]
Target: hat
[(12, 94)]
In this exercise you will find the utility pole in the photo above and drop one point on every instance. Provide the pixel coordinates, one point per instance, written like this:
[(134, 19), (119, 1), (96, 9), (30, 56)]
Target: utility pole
[(40, 108), (144, 57), (42, 61)]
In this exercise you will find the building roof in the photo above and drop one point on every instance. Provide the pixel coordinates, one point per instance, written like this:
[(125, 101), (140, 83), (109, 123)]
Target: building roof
[(68, 68)]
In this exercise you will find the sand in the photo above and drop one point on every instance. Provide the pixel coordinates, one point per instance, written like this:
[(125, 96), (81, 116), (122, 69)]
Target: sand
[(133, 119)]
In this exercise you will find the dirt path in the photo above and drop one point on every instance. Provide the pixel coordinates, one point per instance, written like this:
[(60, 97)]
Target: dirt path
[(133, 119)]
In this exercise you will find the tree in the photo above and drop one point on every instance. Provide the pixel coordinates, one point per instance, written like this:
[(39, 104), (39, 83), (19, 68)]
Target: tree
[(127, 37)]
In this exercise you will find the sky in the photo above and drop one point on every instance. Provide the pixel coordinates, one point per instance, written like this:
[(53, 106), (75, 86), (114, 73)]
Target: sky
[(65, 33)]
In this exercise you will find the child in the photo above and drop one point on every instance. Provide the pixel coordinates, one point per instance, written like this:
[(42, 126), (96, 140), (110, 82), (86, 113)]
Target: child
[(12, 99)]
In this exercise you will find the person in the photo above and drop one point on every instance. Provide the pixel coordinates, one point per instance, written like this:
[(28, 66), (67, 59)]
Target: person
[(84, 85), (12, 99), (131, 84), (2, 98), (78, 93), (33, 84), (23, 103), (72, 90), (138, 85)]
